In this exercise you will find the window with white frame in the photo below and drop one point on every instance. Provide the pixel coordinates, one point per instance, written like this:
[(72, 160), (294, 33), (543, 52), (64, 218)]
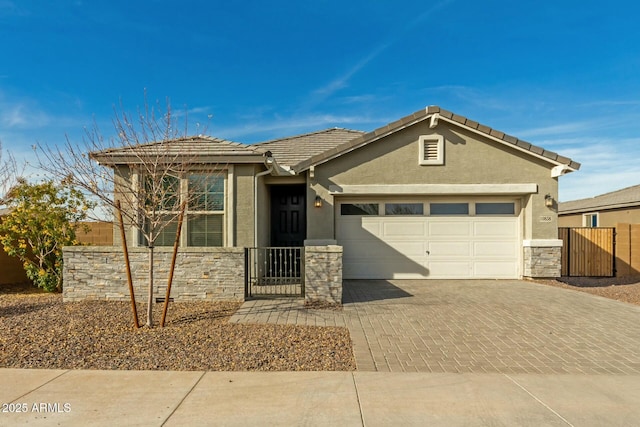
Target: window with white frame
[(590, 219), (431, 150), (205, 213), (203, 224)]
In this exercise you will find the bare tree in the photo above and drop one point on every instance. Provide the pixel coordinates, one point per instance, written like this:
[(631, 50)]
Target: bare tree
[(153, 172), (8, 173)]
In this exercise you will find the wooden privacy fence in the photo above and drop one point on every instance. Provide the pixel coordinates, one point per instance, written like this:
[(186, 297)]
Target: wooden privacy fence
[(588, 251), (99, 234), (627, 249)]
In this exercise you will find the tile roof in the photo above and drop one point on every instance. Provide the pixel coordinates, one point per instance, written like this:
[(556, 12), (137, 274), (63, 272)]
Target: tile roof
[(626, 197), (423, 115), (295, 149), (303, 151), (191, 147)]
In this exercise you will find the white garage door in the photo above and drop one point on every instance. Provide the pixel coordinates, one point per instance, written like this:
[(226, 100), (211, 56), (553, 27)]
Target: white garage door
[(430, 242)]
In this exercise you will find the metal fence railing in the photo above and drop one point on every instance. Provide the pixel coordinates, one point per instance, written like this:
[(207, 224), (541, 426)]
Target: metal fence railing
[(274, 271)]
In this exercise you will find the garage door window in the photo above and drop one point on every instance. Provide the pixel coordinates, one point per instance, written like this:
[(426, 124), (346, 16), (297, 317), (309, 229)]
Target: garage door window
[(449, 208), (495, 208), (361, 209), (403, 209)]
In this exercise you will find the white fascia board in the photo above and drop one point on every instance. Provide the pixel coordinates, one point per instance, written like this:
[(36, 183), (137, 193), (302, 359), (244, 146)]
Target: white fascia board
[(280, 170), (428, 189), (542, 243)]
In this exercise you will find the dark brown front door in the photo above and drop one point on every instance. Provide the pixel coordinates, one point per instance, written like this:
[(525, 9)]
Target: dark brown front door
[(288, 215)]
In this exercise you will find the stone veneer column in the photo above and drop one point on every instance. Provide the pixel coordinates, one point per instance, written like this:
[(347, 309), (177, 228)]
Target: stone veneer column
[(542, 258), (323, 274)]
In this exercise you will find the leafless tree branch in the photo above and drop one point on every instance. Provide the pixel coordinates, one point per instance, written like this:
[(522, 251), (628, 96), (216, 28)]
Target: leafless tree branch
[(144, 165)]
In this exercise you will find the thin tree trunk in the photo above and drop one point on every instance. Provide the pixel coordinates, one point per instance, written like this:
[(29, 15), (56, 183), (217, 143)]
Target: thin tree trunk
[(176, 244), (125, 251), (150, 298)]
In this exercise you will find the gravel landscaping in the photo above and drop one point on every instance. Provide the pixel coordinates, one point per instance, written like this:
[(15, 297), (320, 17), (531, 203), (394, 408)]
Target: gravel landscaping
[(626, 289), (38, 330)]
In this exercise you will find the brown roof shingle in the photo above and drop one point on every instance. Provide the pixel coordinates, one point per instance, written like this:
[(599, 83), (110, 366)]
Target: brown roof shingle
[(295, 149), (302, 151), (626, 197), (192, 147)]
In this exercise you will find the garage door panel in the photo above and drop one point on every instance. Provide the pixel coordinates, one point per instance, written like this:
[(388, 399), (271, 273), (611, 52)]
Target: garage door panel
[(449, 269), (495, 228), (494, 248), (399, 270), (358, 229), (408, 248), (449, 249), (415, 230), (449, 228), (362, 249)]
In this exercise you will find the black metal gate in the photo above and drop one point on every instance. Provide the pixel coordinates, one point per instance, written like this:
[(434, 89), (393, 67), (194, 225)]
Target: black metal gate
[(274, 272)]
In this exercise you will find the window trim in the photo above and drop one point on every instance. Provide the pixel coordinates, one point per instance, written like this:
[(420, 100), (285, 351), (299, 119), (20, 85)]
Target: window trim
[(466, 203), (359, 203), (585, 221), (423, 140), (476, 203), (385, 203), (184, 185)]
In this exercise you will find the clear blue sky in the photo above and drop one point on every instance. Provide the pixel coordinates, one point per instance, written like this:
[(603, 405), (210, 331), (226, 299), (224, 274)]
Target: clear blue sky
[(564, 75)]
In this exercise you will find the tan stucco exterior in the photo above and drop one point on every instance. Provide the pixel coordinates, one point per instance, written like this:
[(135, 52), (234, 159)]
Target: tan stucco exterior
[(475, 167), (468, 159), (606, 218), (243, 205), (239, 203)]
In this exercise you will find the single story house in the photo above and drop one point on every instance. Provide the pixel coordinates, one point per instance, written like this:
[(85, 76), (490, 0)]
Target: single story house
[(431, 195), (605, 210)]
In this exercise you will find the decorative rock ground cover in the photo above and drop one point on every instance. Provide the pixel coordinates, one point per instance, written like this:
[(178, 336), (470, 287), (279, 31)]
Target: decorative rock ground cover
[(38, 330)]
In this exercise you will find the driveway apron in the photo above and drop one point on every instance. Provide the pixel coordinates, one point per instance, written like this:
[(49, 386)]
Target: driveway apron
[(478, 326)]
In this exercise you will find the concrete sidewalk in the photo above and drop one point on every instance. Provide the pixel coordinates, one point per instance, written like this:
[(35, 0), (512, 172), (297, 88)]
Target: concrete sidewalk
[(161, 398)]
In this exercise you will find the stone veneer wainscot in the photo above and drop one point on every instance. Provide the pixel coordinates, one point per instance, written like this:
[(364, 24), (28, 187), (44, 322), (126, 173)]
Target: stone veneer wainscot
[(201, 274), (542, 258)]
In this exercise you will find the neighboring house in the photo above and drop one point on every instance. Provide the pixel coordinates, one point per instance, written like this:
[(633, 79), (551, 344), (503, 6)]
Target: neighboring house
[(605, 210), (431, 195)]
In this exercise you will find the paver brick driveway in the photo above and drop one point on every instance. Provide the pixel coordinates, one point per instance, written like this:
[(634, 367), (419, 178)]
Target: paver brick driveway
[(505, 326)]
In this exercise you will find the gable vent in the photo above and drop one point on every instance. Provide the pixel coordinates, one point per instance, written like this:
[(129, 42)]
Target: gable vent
[(431, 150)]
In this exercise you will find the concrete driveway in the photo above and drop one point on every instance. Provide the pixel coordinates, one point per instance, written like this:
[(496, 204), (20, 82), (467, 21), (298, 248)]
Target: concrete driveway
[(476, 326)]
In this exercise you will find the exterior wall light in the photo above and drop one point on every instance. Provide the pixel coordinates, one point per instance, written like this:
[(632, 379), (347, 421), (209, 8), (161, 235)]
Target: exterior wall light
[(317, 202), (548, 201)]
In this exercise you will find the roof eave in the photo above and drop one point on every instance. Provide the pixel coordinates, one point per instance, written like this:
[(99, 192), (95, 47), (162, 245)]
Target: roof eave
[(435, 113), (596, 208), (128, 159), (497, 136)]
